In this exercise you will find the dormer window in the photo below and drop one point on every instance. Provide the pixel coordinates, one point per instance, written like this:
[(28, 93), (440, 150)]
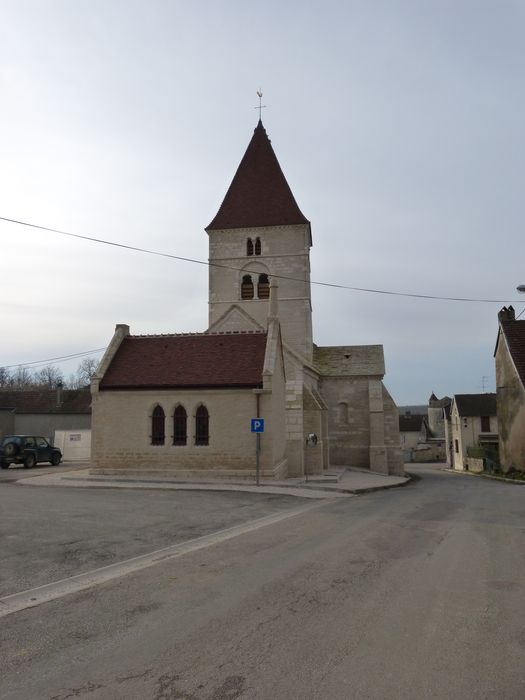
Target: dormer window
[(249, 246), (247, 287), (263, 287), (257, 246)]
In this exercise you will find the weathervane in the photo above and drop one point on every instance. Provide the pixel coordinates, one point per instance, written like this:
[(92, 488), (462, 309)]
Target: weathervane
[(261, 106)]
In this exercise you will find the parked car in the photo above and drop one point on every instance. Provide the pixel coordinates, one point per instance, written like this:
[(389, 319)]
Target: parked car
[(28, 450)]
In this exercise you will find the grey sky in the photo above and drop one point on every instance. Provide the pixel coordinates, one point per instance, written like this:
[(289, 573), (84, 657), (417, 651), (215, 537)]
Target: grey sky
[(399, 126)]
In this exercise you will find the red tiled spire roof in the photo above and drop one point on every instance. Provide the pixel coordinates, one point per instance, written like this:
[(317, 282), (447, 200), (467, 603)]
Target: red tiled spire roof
[(259, 194), (188, 361)]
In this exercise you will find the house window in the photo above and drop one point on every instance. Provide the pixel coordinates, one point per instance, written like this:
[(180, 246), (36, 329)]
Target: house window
[(257, 246), (456, 446), (202, 421), (485, 424), (263, 287), (247, 287), (180, 420), (249, 247), (157, 426)]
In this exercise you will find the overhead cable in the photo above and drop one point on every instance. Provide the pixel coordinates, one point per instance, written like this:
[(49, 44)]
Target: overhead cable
[(239, 269)]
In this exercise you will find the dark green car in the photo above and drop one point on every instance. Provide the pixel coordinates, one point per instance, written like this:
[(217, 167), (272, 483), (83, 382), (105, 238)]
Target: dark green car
[(28, 450)]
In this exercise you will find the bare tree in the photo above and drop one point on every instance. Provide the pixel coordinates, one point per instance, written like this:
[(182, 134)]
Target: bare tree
[(85, 370), (49, 376), (5, 378), (21, 378)]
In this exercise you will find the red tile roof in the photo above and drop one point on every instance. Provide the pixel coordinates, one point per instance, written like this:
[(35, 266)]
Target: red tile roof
[(259, 194), (515, 335), (45, 401), (188, 361)]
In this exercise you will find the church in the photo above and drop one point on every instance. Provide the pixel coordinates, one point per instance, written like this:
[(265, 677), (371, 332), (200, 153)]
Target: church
[(181, 405)]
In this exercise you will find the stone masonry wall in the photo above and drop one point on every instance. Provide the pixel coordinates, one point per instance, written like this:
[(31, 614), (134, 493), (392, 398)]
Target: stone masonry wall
[(511, 411), (348, 420), (122, 430), (285, 251)]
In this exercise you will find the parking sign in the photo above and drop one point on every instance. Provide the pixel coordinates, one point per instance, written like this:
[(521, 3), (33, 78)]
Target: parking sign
[(257, 425)]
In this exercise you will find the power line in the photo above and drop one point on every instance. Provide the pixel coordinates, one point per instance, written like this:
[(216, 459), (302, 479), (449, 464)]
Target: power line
[(36, 363), (239, 269)]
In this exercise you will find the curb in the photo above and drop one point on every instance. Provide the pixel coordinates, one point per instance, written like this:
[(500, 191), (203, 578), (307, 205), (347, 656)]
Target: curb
[(213, 486), (240, 487), (516, 482)]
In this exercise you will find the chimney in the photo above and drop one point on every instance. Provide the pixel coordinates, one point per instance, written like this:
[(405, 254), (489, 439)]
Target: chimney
[(59, 394), (507, 314)]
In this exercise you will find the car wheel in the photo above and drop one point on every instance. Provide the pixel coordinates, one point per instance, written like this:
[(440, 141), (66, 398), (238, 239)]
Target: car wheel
[(29, 461), (55, 459), (10, 449)]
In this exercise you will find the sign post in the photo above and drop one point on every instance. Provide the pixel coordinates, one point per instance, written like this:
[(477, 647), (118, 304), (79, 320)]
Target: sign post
[(257, 427)]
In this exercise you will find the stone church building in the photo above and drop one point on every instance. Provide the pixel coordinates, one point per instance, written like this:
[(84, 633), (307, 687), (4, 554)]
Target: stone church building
[(181, 404)]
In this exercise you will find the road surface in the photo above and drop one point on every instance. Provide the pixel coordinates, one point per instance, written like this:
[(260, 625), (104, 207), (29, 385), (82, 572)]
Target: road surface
[(406, 594)]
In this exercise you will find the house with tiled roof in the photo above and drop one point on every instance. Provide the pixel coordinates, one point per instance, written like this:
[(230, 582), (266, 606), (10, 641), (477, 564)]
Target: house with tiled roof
[(473, 424), (45, 412), (510, 387), (423, 432), (183, 403)]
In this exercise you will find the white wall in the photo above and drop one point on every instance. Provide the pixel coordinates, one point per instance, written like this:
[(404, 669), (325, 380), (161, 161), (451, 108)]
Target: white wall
[(74, 444)]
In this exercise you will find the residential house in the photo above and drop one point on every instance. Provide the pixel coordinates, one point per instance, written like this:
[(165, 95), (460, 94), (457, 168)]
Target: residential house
[(423, 434), (510, 388), (473, 424), (61, 415)]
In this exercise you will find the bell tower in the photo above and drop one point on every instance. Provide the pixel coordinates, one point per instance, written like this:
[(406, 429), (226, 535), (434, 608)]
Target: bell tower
[(258, 233)]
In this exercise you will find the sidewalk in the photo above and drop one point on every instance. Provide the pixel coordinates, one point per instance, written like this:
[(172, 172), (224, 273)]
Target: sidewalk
[(336, 483)]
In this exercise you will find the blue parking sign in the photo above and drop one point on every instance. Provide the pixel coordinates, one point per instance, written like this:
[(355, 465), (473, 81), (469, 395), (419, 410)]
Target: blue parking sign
[(257, 425)]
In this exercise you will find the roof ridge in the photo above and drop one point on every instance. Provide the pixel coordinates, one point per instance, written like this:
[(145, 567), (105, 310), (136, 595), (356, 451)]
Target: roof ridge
[(203, 334)]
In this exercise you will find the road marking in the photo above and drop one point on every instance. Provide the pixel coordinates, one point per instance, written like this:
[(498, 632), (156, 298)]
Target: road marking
[(73, 584)]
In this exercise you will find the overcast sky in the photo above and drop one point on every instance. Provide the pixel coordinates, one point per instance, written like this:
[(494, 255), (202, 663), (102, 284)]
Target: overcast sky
[(399, 126)]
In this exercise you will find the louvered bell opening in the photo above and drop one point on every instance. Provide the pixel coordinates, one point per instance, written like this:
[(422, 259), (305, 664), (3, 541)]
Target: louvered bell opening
[(247, 287), (263, 287)]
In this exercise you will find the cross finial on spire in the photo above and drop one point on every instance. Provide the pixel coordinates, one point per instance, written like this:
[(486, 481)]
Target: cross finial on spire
[(261, 106)]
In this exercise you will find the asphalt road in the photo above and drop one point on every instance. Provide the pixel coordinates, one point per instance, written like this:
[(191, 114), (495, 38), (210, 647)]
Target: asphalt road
[(15, 472), (410, 593), (48, 534)]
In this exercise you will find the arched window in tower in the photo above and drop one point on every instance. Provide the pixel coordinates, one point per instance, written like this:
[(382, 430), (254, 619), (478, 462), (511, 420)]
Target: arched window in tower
[(247, 287), (263, 287), (249, 247), (180, 420), (157, 426), (202, 422), (257, 246)]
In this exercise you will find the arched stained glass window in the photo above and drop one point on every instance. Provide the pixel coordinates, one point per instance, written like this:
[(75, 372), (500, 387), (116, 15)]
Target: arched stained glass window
[(157, 426), (249, 247), (263, 287), (180, 421), (257, 246), (202, 421), (247, 287)]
